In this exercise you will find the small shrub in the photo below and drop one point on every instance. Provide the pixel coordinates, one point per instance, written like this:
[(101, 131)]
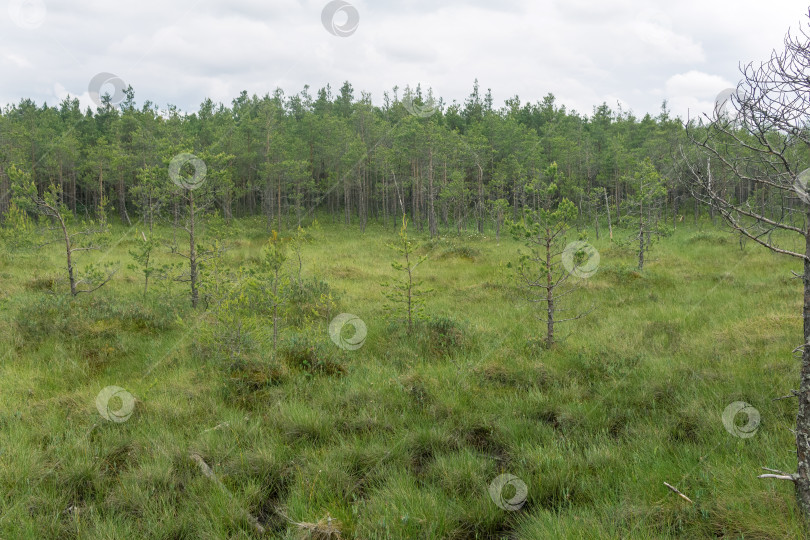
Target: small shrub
[(709, 237), (225, 342), (42, 283), (310, 300), (67, 318), (460, 252), (249, 382), (442, 335), (620, 274), (314, 358), (46, 315)]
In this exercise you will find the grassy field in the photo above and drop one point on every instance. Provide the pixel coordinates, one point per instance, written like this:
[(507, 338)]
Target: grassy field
[(403, 437)]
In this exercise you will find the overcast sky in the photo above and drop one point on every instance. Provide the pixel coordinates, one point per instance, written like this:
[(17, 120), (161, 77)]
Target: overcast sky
[(585, 52)]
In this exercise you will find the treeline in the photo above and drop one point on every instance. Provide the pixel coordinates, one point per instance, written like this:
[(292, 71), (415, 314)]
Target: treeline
[(448, 167)]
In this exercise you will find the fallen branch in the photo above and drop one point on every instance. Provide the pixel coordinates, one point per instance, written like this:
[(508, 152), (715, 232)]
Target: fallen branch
[(325, 529), (778, 475), (209, 473), (678, 492)]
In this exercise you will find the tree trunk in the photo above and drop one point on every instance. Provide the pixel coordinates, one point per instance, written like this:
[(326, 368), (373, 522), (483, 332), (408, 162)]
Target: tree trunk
[(431, 197), (279, 204), (192, 253), (122, 201), (549, 293), (68, 255), (480, 199), (5, 192), (802, 483), (641, 245)]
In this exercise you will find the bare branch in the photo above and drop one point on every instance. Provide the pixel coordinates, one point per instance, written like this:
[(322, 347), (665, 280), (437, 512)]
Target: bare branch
[(678, 492)]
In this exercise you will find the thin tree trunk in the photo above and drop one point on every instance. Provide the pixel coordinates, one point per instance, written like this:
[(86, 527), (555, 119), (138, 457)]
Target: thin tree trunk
[(192, 258), (69, 255), (640, 244), (549, 293), (431, 197), (802, 483), (122, 201), (480, 199)]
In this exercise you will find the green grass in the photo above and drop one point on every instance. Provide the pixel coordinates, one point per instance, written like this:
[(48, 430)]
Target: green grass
[(401, 438)]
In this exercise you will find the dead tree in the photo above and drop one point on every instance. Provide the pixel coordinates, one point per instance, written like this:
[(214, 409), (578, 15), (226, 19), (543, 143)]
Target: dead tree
[(48, 204), (761, 146)]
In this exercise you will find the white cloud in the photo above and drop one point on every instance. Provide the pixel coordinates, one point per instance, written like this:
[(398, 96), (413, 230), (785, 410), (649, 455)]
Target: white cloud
[(657, 43), (17, 60), (695, 92), (583, 52)]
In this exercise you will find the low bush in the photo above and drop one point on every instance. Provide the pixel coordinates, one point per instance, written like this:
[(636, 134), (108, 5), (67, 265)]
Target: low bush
[(311, 299), (460, 252), (301, 352), (442, 335), (68, 318), (249, 382)]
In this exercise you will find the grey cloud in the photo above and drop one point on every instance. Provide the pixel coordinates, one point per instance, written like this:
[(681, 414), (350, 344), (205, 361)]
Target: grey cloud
[(583, 52)]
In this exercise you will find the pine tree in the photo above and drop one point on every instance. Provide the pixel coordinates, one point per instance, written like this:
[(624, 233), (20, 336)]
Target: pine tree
[(405, 294)]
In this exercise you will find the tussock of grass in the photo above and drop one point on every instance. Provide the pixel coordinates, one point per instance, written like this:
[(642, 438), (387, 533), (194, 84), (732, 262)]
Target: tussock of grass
[(460, 252), (403, 437)]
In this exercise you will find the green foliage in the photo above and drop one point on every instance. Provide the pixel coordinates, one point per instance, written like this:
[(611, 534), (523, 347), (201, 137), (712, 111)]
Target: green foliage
[(93, 275), (250, 383), (405, 294), (397, 447), (461, 252), (314, 357), (645, 202), (247, 305), (17, 228), (310, 301), (233, 328), (143, 256), (442, 335), (413, 427), (539, 271), (58, 316)]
